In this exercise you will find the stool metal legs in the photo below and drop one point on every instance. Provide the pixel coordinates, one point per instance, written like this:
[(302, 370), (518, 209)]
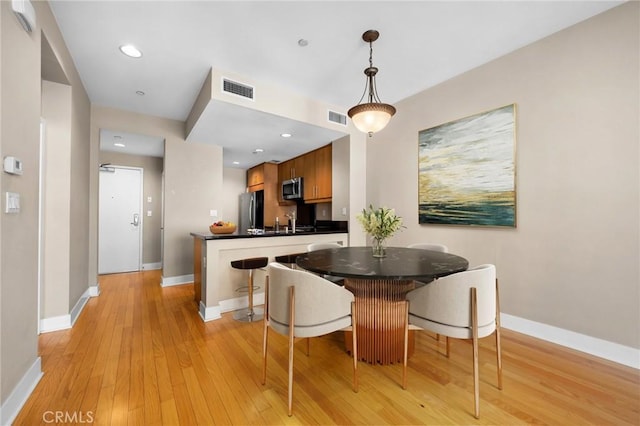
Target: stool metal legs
[(250, 314)]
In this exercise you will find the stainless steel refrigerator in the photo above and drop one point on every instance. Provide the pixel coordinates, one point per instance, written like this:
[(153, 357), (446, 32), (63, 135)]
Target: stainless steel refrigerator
[(251, 211)]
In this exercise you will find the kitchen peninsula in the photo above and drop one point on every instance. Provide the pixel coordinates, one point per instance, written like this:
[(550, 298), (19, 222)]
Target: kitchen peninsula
[(216, 282)]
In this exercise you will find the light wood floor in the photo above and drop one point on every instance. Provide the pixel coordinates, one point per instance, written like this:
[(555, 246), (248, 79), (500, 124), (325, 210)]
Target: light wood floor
[(140, 354)]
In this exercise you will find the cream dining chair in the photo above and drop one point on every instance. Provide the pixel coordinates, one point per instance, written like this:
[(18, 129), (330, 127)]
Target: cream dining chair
[(430, 246), (465, 305), (323, 246), (300, 304)]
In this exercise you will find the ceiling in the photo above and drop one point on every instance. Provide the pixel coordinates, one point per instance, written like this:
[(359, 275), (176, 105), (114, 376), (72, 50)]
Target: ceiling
[(421, 44)]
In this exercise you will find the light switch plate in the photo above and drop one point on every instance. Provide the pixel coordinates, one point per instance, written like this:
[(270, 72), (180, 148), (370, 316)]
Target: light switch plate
[(148, 199), (148, 213), (12, 202), (213, 213)]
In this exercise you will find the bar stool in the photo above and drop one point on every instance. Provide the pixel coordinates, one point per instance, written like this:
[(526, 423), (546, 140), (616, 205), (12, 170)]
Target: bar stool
[(288, 259), (249, 315)]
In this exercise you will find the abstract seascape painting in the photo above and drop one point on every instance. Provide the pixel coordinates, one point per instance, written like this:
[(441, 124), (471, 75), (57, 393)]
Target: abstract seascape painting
[(466, 171)]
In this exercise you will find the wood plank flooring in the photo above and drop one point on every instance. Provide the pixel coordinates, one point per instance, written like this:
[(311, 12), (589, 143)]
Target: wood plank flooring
[(140, 355)]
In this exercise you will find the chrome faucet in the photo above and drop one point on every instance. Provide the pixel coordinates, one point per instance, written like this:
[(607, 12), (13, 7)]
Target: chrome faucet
[(292, 217)]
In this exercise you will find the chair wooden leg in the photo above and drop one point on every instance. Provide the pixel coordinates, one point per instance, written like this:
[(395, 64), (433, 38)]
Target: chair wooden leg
[(498, 348), (292, 306), (265, 331), (448, 345), (354, 344), (474, 330), (406, 344)]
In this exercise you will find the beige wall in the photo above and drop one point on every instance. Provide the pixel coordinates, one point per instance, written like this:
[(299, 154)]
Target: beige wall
[(20, 116), (192, 182), (152, 187), (193, 186), (572, 262), (20, 110), (56, 112), (234, 184)]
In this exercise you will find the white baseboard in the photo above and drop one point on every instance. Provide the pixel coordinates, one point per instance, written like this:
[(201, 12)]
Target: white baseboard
[(240, 302), (94, 290), (209, 314), (215, 312), (19, 395), (50, 324), (178, 280), (79, 306), (601, 348), (151, 266), (64, 322)]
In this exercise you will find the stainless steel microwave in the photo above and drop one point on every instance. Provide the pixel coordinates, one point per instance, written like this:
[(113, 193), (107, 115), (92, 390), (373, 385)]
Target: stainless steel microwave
[(292, 189)]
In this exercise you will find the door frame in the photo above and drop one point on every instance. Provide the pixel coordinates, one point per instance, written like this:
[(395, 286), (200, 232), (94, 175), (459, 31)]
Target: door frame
[(41, 200), (141, 205)]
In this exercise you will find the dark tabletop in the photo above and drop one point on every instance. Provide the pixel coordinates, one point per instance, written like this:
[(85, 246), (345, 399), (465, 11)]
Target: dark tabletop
[(399, 264)]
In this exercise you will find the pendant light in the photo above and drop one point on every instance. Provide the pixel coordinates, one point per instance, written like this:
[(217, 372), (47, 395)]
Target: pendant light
[(372, 116)]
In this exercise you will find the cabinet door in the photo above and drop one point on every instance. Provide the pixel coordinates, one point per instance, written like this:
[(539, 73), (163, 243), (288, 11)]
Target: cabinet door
[(284, 170), (298, 166), (317, 175), (323, 172), (255, 175), (310, 176)]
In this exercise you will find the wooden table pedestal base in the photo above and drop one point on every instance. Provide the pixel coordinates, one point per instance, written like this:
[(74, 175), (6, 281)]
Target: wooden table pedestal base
[(380, 317)]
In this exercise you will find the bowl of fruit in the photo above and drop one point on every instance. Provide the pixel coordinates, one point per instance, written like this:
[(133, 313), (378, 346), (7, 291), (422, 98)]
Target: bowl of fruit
[(221, 227)]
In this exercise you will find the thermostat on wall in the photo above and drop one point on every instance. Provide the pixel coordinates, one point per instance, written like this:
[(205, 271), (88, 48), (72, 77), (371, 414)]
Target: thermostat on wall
[(13, 165)]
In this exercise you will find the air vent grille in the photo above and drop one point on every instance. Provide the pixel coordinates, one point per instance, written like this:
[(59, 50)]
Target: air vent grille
[(336, 117), (237, 88)]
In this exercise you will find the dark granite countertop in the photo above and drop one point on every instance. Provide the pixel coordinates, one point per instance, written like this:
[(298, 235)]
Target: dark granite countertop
[(206, 235)]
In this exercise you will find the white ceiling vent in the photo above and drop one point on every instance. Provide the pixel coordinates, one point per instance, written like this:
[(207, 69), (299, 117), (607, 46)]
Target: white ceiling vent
[(336, 117), (238, 89)]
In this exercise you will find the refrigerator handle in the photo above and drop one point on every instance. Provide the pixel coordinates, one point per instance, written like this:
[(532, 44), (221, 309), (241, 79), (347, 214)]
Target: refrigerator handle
[(251, 213)]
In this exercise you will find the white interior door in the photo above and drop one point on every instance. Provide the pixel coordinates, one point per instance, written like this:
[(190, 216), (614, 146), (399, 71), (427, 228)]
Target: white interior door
[(120, 220)]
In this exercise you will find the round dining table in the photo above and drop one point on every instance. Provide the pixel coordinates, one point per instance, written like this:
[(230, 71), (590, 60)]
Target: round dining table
[(380, 286)]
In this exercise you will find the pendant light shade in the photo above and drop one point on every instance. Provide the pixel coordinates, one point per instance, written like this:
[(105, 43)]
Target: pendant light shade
[(373, 115)]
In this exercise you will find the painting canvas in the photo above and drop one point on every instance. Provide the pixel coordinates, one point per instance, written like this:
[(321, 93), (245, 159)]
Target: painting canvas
[(467, 171)]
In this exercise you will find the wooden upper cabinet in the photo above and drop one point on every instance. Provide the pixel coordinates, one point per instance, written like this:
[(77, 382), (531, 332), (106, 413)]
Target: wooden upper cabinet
[(323, 173), (285, 169), (255, 176), (317, 175), (291, 168)]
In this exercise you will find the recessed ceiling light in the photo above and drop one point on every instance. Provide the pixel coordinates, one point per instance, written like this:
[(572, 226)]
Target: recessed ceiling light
[(120, 145), (131, 51), (236, 162), (302, 42), (258, 150), (140, 92), (286, 135)]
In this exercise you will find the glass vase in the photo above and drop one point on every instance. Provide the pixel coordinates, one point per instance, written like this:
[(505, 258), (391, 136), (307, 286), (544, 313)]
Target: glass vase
[(378, 248)]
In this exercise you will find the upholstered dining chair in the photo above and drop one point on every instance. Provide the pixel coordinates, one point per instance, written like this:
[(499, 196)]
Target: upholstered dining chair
[(300, 304), (465, 305), (322, 246), (430, 246), (435, 247)]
